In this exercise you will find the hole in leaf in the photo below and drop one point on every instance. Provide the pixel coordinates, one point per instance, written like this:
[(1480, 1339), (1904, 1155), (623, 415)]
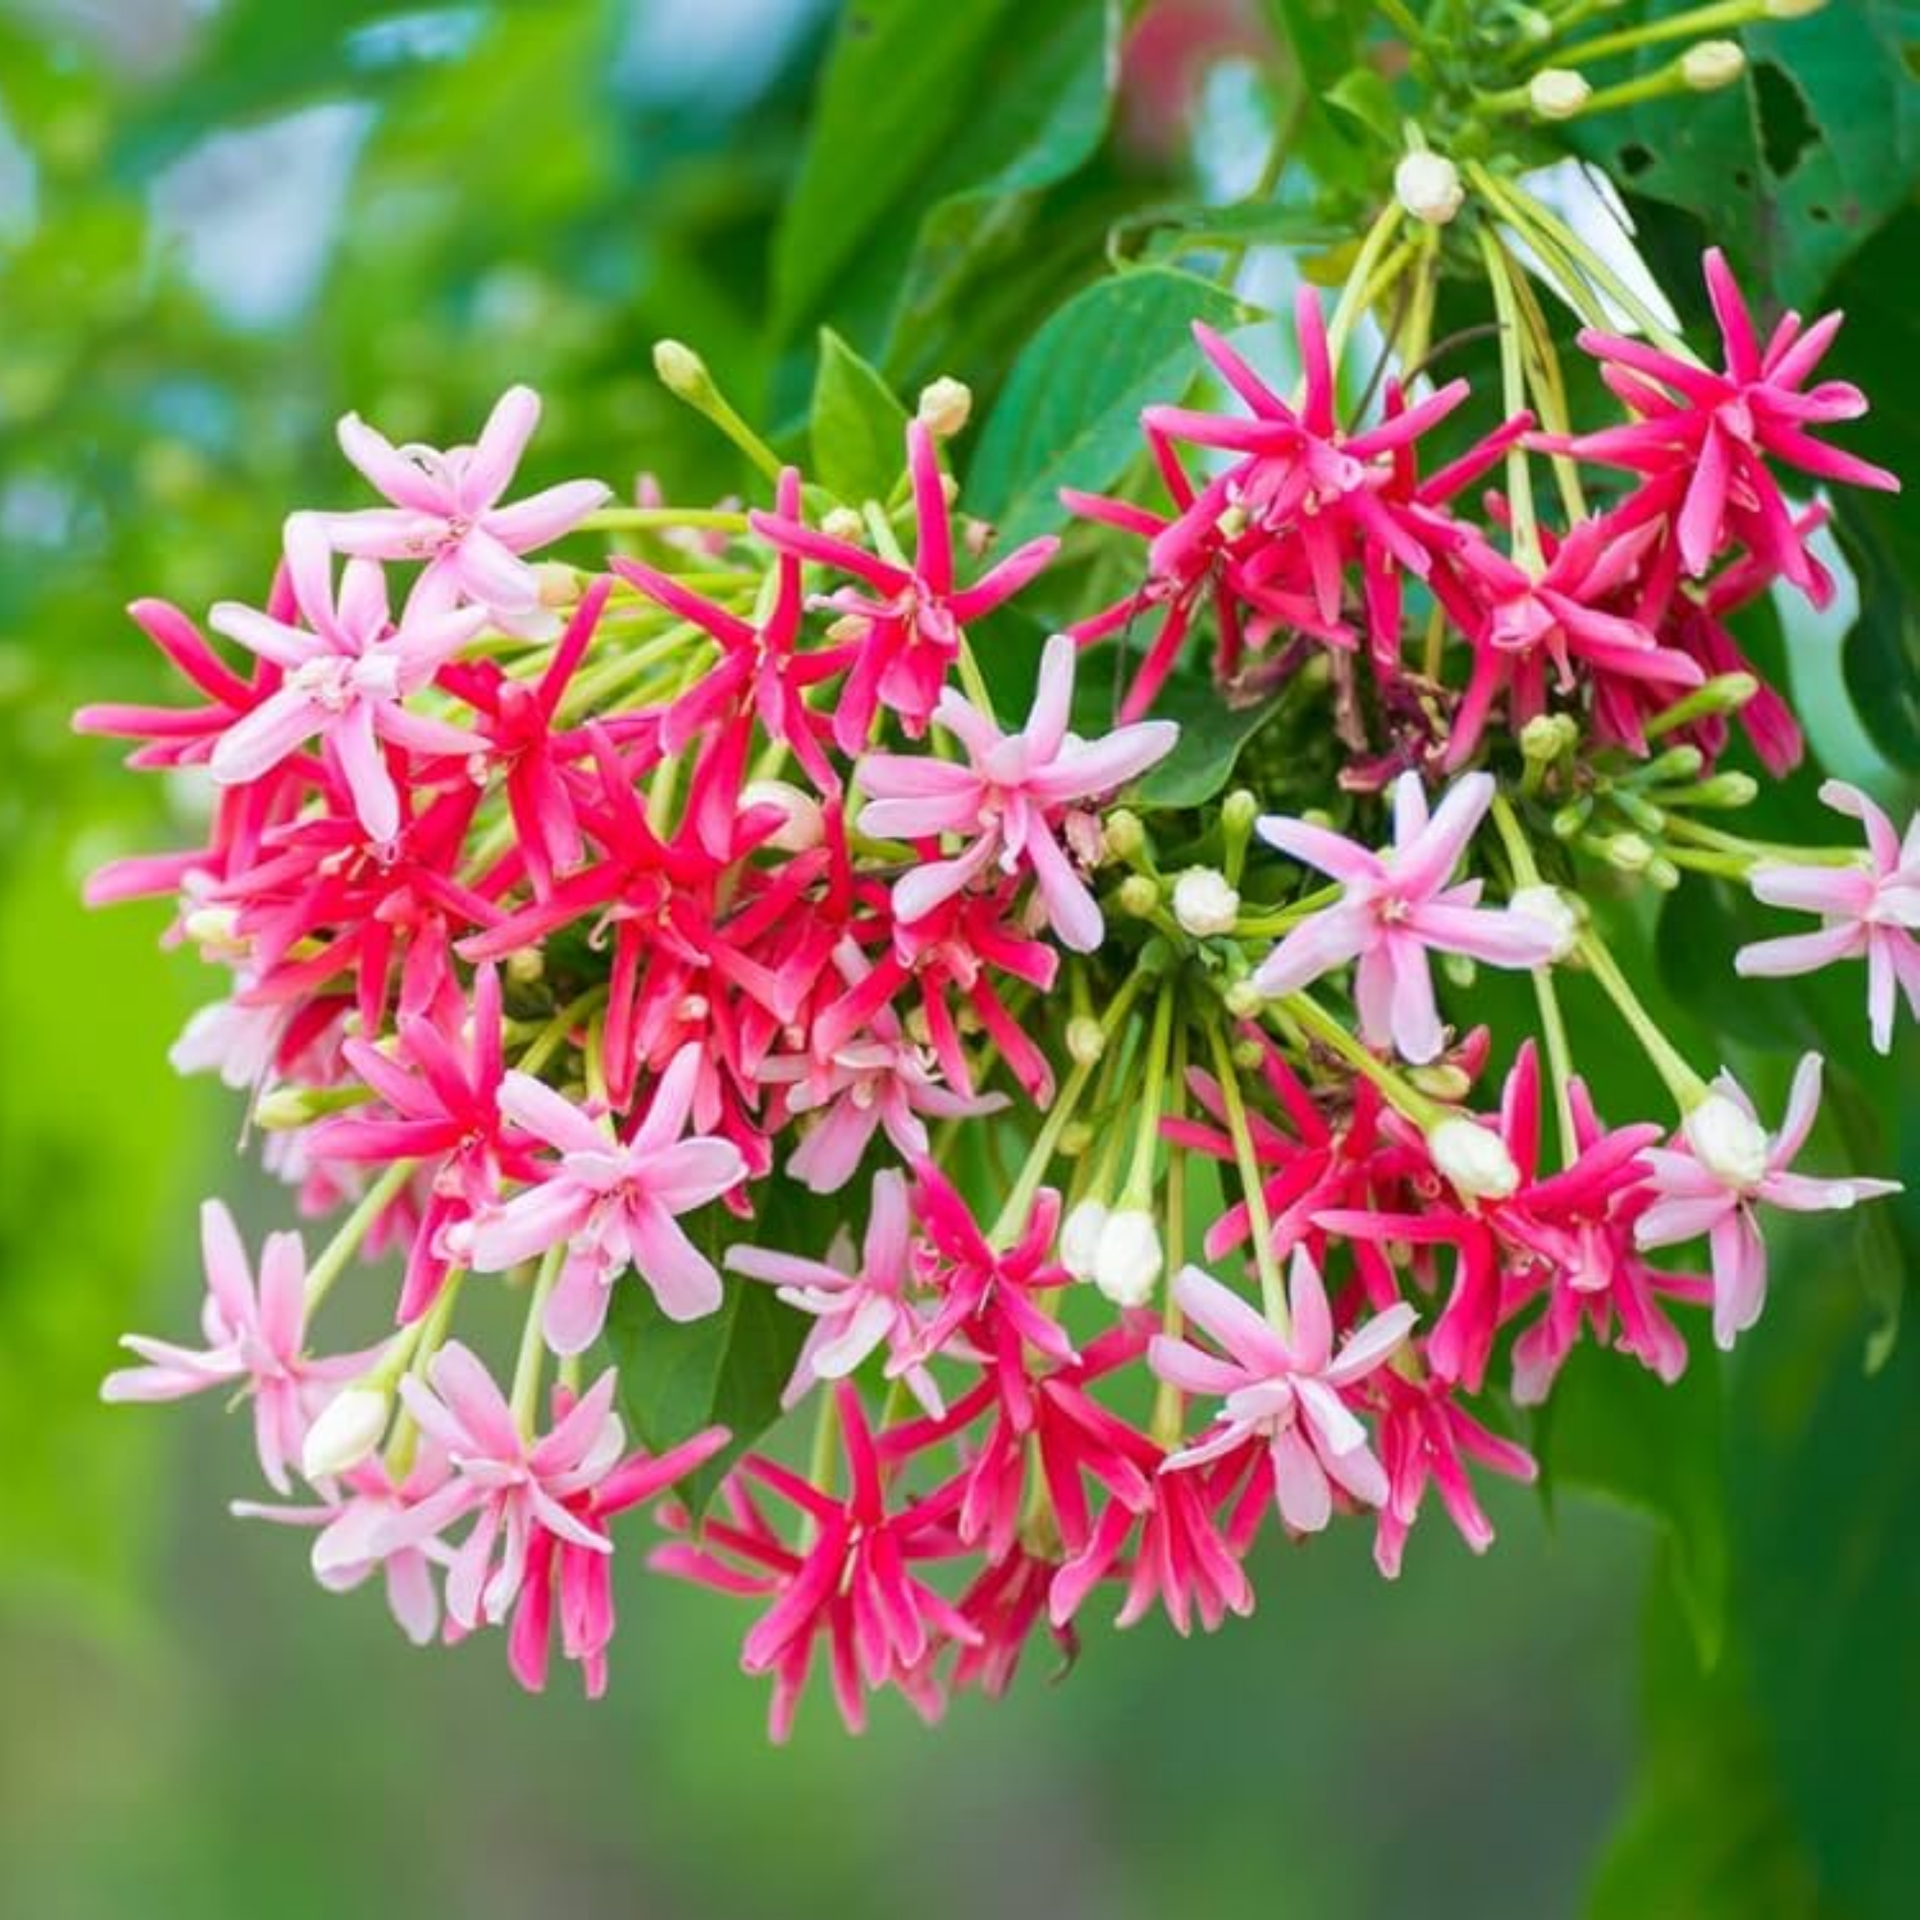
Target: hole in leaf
[(1634, 159), (1786, 127), (1742, 179), (1820, 215)]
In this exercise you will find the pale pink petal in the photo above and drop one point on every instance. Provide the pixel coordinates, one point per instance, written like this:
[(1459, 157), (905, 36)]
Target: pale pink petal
[(1233, 1322), (497, 453), (543, 517), (533, 1104), (1423, 867), (1320, 847), (278, 726), (1300, 1483), (693, 1172), (683, 1279), (1327, 940), (403, 481)]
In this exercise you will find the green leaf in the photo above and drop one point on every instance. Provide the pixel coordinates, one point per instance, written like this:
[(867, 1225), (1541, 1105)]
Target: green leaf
[(1213, 732), (677, 1377), (857, 428), (1881, 661), (1325, 40), (901, 80), (1614, 1429), (1069, 415), (1367, 98), (1795, 166)]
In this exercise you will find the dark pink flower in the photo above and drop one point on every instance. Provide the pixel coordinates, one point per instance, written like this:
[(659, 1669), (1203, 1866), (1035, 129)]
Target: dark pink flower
[(912, 618), (1712, 431)]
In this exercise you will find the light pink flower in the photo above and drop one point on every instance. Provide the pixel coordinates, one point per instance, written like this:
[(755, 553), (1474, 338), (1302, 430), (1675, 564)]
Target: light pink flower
[(1291, 1393), (1009, 798), (1724, 1163), (515, 1486), (854, 1311), (1869, 910), (254, 1339), (352, 1521), (346, 680), (446, 511), (877, 1079), (1395, 908), (615, 1202)]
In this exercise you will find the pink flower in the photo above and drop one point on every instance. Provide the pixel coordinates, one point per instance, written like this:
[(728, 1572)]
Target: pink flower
[(515, 1487), (345, 680), (1723, 1165), (254, 1337), (1427, 1436), (1291, 1393), (615, 1202), (352, 1521), (1303, 476), (1397, 906), (850, 1584), (1871, 910), (446, 511), (1009, 798), (576, 1581), (872, 1080), (854, 1312), (1711, 431), (913, 618)]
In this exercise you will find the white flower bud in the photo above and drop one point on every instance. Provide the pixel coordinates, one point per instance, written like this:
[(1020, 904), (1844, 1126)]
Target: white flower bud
[(1428, 186), (844, 523), (348, 1429), (1080, 1238), (1728, 1141), (1086, 1040), (1139, 895), (681, 370), (526, 966), (946, 405), (282, 1109), (1243, 1000), (1558, 93), (1474, 1158), (1203, 903), (1128, 1259), (804, 829), (1712, 63), (1550, 905)]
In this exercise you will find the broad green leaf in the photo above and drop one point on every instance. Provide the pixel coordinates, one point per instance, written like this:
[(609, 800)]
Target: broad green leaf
[(1614, 1429), (1325, 40), (857, 429), (902, 78), (1212, 733), (1826, 1513), (677, 1377), (1881, 660), (1364, 96), (1706, 1831), (1069, 415), (1797, 164)]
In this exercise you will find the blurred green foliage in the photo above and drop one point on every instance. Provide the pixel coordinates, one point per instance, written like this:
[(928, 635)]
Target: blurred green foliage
[(223, 225)]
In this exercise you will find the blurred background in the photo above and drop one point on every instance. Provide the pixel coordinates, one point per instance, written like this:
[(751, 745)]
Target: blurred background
[(223, 223)]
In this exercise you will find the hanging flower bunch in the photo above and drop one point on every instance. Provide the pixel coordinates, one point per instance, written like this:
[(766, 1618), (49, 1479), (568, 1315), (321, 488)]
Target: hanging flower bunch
[(953, 1160)]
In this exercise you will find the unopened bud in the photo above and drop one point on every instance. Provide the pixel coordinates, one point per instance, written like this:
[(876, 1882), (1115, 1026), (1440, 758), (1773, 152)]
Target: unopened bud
[(945, 407), (682, 371), (843, 523), (1080, 1238), (1428, 186), (1238, 811), (804, 827), (1128, 1258), (1086, 1040), (526, 966), (1075, 1138), (1243, 1000), (216, 927), (1126, 837), (1474, 1158), (1558, 93), (1629, 852), (1728, 1141), (1442, 1079), (1553, 909), (1139, 895), (1712, 64), (1544, 737), (1732, 789), (282, 1109), (558, 584), (348, 1429), (1204, 904)]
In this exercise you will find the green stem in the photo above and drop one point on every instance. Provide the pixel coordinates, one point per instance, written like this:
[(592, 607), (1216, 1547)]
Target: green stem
[(346, 1243), (1273, 1291), (1686, 1086)]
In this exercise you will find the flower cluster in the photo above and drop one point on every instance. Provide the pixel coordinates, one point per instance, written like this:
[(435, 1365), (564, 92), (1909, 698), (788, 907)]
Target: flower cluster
[(754, 931)]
